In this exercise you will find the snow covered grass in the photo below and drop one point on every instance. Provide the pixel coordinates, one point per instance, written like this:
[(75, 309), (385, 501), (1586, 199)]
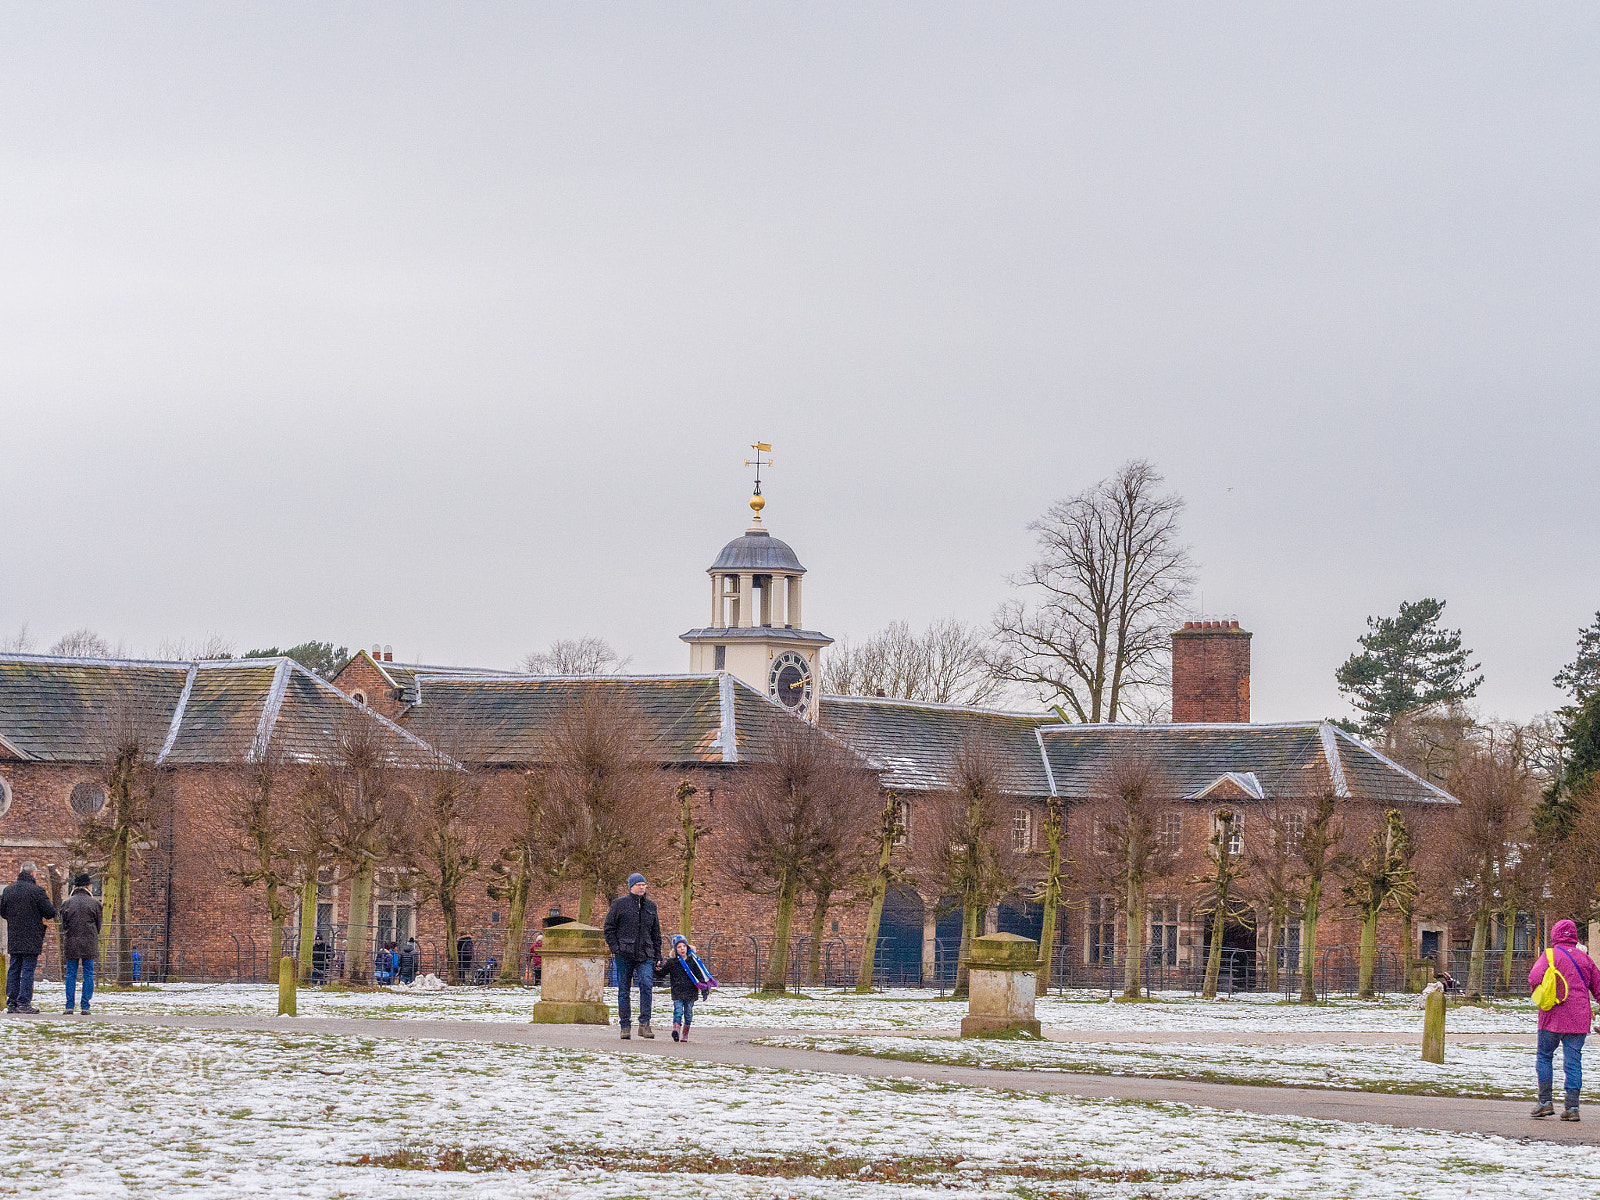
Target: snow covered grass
[(904, 1008), (1493, 1072), (103, 1110)]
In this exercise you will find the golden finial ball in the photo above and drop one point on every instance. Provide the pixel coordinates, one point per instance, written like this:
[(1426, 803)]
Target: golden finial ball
[(757, 503)]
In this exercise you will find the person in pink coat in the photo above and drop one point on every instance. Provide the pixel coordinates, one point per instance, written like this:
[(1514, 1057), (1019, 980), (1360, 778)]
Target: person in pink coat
[(1568, 1023)]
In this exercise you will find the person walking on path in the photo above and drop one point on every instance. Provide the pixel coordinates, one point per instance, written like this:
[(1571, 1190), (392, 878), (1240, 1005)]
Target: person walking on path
[(408, 962), (686, 986), (633, 935), (80, 926), (1569, 1022), (25, 907), (319, 959)]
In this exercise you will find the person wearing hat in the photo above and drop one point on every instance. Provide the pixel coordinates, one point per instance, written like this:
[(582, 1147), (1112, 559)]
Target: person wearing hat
[(633, 934), (80, 929)]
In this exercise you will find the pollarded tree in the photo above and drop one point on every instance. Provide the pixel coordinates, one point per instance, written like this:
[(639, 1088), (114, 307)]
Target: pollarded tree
[(1224, 855), (1050, 887), (1132, 801), (442, 840), (963, 845), (257, 823), (891, 830), (1091, 630), (810, 801), (1321, 853), (685, 842), (1406, 662), (124, 810), (1380, 878), (607, 802), (521, 862), (1272, 871)]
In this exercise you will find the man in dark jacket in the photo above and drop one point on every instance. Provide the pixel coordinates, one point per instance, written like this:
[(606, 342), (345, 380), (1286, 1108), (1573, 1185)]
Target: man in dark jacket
[(408, 961), (80, 929), (633, 934), (25, 906)]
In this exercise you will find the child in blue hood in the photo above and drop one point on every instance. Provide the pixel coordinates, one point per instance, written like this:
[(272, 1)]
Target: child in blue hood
[(686, 985)]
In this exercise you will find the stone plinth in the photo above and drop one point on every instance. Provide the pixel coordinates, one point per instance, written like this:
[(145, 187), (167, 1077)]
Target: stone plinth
[(572, 988), (1000, 986)]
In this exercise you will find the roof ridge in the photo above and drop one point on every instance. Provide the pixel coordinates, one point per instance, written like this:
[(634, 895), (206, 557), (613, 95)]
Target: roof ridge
[(177, 715), (942, 705), (172, 664), (270, 708), (1385, 759), (1182, 725)]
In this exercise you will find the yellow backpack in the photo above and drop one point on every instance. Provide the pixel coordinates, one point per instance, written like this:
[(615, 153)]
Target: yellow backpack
[(1545, 995)]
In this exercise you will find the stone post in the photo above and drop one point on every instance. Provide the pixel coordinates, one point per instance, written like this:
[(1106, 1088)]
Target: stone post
[(286, 985), (1433, 1024), (572, 985), (1001, 981)]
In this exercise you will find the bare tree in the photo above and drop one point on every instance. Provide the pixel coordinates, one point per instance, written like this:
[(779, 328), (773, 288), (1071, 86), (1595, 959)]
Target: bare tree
[(360, 796), (82, 643), (212, 646), (891, 829), (1382, 877), (1492, 829), (1131, 800), (608, 803), (1429, 741), (684, 842), (1272, 871), (1050, 887), (576, 656), (19, 642), (1226, 866), (305, 837), (523, 861), (441, 839), (1321, 856), (256, 823), (966, 849), (1091, 628), (812, 801), (945, 664), (123, 809)]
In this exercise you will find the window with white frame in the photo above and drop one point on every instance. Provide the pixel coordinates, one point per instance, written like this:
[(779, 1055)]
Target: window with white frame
[(1169, 832), (1294, 828), (1105, 841), (1100, 931), (1235, 823), (1164, 932), (1021, 830), (902, 817)]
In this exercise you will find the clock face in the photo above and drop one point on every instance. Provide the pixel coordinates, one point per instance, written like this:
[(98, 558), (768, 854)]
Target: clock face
[(790, 681)]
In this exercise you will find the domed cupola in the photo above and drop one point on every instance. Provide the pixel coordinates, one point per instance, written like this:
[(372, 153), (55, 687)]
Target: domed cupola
[(755, 631)]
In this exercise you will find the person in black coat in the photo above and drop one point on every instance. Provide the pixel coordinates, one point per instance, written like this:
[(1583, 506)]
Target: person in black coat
[(81, 919), (633, 934), (25, 906), (408, 961), (320, 957), (687, 985)]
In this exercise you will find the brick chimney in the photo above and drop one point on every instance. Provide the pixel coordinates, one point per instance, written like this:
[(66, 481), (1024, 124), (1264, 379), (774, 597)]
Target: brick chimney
[(1210, 672)]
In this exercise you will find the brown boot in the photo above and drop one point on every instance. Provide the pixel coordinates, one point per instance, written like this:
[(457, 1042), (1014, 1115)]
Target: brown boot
[(685, 1036), (645, 1031)]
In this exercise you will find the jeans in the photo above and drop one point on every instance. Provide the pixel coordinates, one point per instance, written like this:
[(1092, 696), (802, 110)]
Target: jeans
[(71, 974), (629, 970), (19, 980), (682, 1012), (1571, 1058)]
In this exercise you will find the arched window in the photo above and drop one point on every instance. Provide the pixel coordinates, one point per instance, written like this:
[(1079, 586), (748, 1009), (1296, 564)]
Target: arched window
[(87, 799), (359, 697), (5, 795)]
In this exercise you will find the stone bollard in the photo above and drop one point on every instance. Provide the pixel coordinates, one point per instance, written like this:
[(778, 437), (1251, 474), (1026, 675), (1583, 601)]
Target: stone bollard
[(1433, 1023), (1001, 978), (286, 986), (572, 983)]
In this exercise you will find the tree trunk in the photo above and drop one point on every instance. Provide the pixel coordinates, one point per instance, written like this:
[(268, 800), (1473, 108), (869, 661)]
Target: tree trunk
[(355, 943), (1406, 951), (117, 889), (1219, 925), (1052, 899), (308, 920), (516, 926), (1308, 943), (1274, 932), (686, 877), (1133, 964), (447, 914), (1369, 951), (1505, 954), (970, 915), (778, 961), (880, 889), (585, 901), (819, 918), (1480, 937), (275, 917)]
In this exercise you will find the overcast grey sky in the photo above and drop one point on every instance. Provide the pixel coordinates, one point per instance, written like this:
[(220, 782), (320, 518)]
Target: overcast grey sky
[(448, 327)]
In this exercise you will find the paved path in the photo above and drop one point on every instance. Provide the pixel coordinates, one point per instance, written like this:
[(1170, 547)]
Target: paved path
[(736, 1047), (1213, 1037)]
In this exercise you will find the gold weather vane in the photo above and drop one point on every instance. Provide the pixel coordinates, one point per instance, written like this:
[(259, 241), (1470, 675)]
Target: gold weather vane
[(756, 501)]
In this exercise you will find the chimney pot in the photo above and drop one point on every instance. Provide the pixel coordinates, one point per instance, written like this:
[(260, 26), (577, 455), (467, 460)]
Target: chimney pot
[(388, 654), (377, 650)]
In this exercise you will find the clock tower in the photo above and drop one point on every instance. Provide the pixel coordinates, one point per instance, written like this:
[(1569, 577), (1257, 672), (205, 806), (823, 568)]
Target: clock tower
[(755, 632)]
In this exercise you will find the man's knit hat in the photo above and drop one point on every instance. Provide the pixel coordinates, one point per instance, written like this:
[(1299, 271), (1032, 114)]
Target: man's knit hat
[(635, 878), (81, 881)]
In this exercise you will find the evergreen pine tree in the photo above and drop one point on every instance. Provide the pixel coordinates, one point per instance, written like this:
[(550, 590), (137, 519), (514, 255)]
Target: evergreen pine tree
[(1406, 662), (1581, 676)]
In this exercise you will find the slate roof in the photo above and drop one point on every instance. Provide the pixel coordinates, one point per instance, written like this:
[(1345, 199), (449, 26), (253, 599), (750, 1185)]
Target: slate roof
[(54, 709), (694, 718), (1285, 760), (912, 742)]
